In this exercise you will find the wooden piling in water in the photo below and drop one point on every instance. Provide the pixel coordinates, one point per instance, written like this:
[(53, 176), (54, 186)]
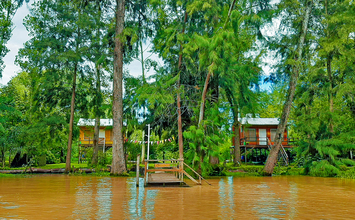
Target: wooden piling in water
[(137, 170)]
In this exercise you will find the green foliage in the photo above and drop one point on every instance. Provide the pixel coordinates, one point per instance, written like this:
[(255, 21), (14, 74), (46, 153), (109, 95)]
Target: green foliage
[(347, 174), (8, 9), (207, 142), (323, 169), (51, 158), (214, 39), (257, 170), (103, 158)]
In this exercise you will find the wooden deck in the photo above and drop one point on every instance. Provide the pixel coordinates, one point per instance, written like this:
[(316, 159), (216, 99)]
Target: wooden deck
[(248, 146), (164, 179), (166, 173)]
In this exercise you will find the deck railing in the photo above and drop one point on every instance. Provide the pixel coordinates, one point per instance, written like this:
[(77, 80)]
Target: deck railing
[(173, 165), (176, 166), (263, 141), (102, 140)]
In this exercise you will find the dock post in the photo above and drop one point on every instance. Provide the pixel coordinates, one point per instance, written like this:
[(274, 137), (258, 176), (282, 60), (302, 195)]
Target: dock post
[(137, 171), (145, 172), (181, 173)]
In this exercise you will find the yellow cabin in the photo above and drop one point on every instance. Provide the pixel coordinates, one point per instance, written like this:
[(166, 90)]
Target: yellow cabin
[(87, 126)]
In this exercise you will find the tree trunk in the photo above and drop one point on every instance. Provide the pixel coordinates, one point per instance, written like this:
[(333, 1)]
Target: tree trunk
[(329, 72), (181, 143), (237, 158), (272, 159), (118, 158), (95, 154), (203, 99), (142, 63), (10, 158), (72, 107), (3, 157), (236, 124), (331, 101), (200, 119)]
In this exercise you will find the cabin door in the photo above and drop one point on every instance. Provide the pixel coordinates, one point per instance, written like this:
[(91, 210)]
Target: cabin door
[(102, 133), (262, 137)]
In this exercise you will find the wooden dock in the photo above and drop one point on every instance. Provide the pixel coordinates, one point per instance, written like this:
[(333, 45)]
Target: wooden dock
[(164, 179), (166, 173)]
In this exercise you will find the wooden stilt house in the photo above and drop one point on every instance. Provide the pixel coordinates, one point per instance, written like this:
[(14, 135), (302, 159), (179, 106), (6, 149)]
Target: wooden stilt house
[(259, 134), (87, 126)]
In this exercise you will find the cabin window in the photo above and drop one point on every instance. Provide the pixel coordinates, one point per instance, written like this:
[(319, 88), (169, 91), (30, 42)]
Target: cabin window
[(88, 134), (273, 134), (250, 134)]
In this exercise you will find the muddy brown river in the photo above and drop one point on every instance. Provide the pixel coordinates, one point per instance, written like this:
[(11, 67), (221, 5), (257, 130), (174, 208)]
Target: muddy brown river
[(85, 197)]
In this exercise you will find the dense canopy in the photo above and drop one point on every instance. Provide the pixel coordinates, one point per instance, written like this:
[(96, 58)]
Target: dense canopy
[(213, 53)]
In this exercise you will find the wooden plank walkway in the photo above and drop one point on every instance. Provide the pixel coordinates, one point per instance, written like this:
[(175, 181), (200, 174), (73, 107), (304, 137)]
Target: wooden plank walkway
[(156, 178)]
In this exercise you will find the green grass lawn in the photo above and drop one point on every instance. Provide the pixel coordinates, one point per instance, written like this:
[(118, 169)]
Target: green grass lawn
[(49, 166), (62, 165)]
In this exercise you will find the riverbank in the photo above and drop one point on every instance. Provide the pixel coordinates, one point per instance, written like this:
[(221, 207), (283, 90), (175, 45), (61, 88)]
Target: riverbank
[(257, 170), (225, 170), (77, 168)]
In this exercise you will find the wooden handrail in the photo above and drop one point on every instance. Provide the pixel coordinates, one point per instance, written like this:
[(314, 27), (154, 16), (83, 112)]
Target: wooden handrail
[(282, 151), (197, 173), (177, 167)]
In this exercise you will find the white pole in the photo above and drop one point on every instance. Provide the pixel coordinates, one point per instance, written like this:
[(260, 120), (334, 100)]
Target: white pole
[(148, 145), (351, 154)]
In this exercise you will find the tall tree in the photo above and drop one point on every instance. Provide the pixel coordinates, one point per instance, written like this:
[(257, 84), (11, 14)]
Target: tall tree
[(296, 68), (8, 9), (118, 157), (56, 49), (98, 21), (324, 98)]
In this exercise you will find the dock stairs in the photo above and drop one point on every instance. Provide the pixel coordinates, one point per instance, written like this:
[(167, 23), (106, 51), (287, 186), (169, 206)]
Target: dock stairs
[(167, 172), (282, 155)]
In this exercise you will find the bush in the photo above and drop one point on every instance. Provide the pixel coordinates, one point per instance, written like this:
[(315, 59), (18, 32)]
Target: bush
[(323, 169), (51, 159), (348, 174), (103, 158)]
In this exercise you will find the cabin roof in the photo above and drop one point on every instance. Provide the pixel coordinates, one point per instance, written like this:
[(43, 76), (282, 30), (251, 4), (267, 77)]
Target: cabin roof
[(91, 122), (259, 121)]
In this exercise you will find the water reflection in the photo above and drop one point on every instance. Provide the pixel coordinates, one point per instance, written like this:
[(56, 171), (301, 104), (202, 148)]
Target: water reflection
[(84, 200), (93, 199), (226, 198), (293, 199), (104, 199), (73, 197), (269, 205), (142, 200), (261, 198)]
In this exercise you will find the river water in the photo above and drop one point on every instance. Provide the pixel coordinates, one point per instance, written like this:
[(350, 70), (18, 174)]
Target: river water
[(86, 197)]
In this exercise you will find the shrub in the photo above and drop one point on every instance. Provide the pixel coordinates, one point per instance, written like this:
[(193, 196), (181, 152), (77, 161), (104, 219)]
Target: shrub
[(348, 174), (323, 169), (51, 159)]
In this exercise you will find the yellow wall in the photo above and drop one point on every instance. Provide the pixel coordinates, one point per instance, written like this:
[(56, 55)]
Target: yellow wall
[(90, 133)]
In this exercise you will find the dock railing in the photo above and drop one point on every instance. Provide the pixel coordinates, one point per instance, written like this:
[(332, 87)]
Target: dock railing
[(173, 165), (176, 166)]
